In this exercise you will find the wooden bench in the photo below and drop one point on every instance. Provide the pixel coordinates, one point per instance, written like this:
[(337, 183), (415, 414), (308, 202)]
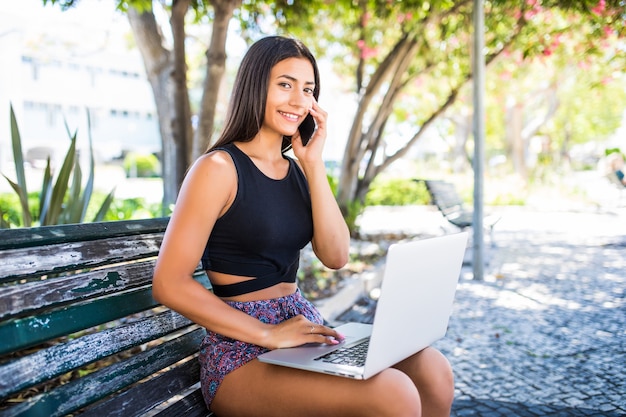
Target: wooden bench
[(444, 195), (80, 333)]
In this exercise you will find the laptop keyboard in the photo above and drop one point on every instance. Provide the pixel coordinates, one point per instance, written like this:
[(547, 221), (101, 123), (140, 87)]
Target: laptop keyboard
[(353, 355)]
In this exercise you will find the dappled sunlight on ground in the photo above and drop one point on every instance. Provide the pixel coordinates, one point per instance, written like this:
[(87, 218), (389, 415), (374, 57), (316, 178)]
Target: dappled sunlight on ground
[(547, 326)]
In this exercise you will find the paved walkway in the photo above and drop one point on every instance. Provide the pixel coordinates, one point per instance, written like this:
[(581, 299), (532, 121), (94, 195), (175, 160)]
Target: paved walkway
[(545, 333)]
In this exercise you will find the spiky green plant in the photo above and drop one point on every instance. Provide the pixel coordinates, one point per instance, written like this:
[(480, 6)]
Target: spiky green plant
[(60, 201)]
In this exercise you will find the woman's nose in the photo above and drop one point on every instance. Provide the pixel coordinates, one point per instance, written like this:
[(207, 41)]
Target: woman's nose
[(300, 99)]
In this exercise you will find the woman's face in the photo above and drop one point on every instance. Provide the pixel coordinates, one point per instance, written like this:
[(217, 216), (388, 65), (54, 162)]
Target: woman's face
[(289, 96)]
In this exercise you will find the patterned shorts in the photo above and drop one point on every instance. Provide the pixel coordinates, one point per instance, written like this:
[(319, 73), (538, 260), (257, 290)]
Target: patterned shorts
[(220, 355)]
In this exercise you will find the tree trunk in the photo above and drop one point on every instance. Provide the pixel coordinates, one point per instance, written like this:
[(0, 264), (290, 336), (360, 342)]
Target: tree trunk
[(360, 165), (356, 151), (159, 65), (215, 69), (181, 116)]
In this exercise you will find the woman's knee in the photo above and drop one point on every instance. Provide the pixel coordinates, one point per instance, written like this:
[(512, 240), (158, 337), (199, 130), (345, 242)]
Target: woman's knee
[(395, 394), (432, 373), (442, 377)]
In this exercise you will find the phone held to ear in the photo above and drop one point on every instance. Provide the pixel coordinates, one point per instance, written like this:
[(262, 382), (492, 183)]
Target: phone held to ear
[(306, 128)]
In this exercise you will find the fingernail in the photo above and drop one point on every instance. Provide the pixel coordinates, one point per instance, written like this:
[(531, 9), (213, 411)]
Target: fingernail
[(334, 341)]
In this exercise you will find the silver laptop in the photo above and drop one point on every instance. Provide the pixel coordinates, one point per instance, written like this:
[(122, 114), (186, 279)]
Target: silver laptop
[(413, 311)]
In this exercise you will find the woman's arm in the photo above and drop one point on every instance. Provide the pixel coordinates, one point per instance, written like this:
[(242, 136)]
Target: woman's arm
[(331, 237), (206, 193)]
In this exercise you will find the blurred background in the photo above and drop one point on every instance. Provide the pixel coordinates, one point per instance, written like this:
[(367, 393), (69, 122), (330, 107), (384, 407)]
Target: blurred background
[(396, 82)]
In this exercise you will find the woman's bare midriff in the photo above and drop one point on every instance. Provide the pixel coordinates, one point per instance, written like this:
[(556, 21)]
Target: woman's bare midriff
[(282, 289)]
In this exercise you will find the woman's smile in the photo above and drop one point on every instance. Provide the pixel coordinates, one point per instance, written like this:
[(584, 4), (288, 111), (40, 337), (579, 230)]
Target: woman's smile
[(290, 116)]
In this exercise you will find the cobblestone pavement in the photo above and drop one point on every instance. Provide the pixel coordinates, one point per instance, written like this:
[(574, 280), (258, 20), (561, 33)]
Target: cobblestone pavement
[(544, 334)]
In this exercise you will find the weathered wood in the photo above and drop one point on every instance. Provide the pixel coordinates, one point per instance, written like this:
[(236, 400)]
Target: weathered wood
[(192, 405), (95, 386), (29, 263), (23, 299), (49, 363), (148, 395), (76, 295), (50, 235), (30, 331)]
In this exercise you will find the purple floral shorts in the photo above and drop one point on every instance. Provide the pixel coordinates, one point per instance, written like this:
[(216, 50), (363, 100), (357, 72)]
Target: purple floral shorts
[(220, 355)]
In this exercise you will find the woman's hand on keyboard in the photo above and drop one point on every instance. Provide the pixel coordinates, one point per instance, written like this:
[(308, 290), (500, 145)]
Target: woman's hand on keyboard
[(299, 331)]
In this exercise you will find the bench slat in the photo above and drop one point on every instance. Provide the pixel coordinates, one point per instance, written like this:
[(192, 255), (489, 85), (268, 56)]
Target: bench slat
[(192, 405), (50, 235), (29, 331), (445, 196), (93, 387), (142, 397), (49, 363), (24, 263), (25, 298)]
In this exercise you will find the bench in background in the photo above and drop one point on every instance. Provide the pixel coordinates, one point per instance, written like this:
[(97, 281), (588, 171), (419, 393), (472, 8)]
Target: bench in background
[(80, 332), (617, 184), (444, 195)]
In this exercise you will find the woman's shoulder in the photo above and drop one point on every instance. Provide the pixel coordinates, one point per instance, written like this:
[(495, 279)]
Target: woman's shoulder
[(216, 163), (211, 181)]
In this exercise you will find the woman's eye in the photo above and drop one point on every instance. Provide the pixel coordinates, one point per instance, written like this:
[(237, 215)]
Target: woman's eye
[(285, 85), (308, 90)]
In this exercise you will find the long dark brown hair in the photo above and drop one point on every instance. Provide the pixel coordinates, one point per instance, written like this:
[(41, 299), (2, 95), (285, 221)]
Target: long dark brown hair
[(246, 110)]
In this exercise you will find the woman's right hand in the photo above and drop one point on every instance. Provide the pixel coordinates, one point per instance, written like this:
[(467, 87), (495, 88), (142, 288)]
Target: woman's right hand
[(298, 331)]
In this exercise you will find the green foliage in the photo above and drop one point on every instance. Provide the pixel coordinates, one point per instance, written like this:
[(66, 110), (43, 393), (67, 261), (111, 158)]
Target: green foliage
[(353, 210), (562, 61), (528, 38), (396, 192), (509, 199), (10, 210), (131, 209), (62, 201), (332, 181), (141, 165), (609, 151), (118, 209), (361, 37)]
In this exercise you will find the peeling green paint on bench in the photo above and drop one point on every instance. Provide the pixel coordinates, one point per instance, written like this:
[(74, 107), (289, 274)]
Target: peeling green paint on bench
[(76, 296)]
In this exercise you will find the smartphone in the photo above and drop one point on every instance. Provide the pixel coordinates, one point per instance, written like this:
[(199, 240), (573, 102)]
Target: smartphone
[(306, 128)]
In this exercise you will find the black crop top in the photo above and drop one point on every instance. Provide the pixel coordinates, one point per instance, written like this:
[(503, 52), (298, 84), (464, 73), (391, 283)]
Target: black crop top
[(263, 231)]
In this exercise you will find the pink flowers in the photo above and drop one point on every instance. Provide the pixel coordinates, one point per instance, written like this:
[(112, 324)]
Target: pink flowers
[(535, 9), (366, 51), (600, 8)]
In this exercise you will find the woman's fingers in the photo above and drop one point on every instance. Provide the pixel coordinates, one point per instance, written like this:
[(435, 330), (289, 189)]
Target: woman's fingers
[(299, 330), (324, 334), (319, 115)]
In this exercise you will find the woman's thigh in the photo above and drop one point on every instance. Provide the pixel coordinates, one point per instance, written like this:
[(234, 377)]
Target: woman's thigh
[(258, 389)]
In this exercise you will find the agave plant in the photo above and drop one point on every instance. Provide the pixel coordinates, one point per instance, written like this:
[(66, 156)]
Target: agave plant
[(63, 201)]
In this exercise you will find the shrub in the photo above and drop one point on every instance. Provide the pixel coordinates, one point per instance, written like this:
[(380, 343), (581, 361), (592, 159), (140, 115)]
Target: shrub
[(131, 209), (396, 192), (141, 165)]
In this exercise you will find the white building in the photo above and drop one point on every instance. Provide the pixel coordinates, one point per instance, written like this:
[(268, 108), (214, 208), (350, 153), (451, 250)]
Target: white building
[(56, 66)]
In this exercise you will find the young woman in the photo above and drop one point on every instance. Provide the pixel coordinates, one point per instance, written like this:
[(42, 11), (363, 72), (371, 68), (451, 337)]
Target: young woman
[(246, 210)]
